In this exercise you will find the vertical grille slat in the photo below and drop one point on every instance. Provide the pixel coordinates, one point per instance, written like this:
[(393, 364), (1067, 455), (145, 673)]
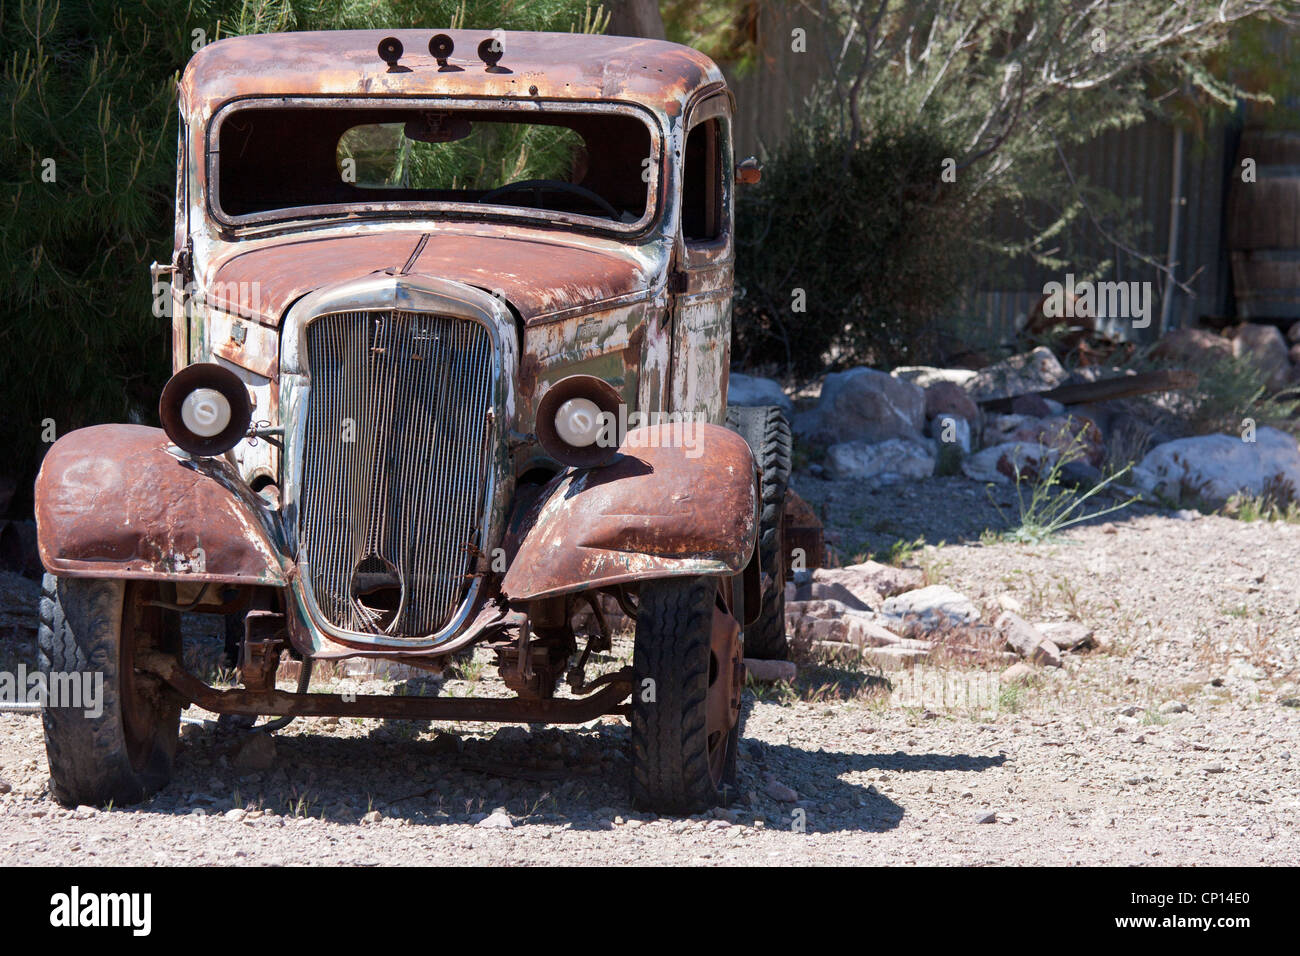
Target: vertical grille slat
[(390, 518)]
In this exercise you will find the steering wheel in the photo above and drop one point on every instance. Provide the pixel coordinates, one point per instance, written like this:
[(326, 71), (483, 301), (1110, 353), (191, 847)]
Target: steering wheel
[(539, 186)]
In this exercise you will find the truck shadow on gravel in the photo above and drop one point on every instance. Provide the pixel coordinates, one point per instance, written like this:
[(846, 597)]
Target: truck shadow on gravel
[(833, 804), (548, 776)]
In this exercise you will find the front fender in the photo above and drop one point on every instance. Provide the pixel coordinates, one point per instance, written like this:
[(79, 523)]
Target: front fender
[(112, 502), (680, 499)]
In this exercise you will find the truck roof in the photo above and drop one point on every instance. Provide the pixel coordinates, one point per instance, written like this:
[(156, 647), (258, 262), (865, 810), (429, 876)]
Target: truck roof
[(573, 66)]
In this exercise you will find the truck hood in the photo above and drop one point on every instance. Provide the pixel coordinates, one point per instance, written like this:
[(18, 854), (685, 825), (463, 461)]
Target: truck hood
[(541, 278)]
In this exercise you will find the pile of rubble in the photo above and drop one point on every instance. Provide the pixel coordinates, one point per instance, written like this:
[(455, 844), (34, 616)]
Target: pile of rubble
[(1018, 416), (888, 617)]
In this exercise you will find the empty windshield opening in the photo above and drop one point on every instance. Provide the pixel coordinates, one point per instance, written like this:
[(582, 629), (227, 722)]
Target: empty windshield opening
[(584, 164)]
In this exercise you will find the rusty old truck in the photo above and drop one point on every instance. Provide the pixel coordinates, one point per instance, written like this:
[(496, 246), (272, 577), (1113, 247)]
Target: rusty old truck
[(450, 320)]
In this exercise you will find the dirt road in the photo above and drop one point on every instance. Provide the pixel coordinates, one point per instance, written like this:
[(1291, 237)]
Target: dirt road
[(1178, 743)]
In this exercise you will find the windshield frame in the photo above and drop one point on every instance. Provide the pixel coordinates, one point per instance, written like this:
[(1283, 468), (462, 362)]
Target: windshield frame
[(408, 209)]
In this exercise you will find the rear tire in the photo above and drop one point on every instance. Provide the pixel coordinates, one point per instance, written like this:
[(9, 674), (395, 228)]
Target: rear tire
[(768, 434), (126, 752), (683, 755)]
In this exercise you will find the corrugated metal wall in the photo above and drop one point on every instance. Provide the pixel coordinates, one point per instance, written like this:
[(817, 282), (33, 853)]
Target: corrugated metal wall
[(775, 85), (1135, 164)]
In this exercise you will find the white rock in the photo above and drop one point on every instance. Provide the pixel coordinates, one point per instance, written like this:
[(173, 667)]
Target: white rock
[(932, 605), (896, 459), (869, 582), (1264, 347), (892, 658), (927, 375), (1009, 603), (770, 672), (1035, 371), (779, 791), (1246, 670), (853, 629), (999, 463), (753, 390), (496, 820), (999, 428), (1213, 468), (1066, 635), (1026, 640), (1019, 673), (864, 405)]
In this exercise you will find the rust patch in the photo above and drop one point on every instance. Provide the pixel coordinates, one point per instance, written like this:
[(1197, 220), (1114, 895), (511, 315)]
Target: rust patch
[(112, 503), (653, 73), (608, 700), (653, 512), (539, 278)]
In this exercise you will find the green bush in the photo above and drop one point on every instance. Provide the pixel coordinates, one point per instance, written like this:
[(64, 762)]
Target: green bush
[(868, 239), (1228, 391), (854, 211)]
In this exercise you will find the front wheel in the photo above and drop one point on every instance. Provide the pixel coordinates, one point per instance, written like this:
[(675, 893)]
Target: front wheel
[(688, 678), (111, 731)]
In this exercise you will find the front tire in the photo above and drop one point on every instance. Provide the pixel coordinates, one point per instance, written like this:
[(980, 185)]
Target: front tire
[(125, 752), (687, 681)]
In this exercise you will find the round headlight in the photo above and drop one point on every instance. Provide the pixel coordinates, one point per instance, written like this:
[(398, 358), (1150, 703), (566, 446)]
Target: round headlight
[(205, 409), (571, 416), (205, 412), (578, 422)]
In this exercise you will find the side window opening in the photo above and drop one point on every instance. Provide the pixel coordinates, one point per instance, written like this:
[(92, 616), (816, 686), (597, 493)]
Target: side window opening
[(702, 184)]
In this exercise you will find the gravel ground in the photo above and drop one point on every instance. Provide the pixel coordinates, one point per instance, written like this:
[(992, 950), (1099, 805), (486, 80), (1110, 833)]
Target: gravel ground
[(1176, 743)]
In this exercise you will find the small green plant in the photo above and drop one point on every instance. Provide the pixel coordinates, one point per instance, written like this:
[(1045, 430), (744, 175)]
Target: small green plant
[(300, 806), (1153, 717), (901, 551), (1228, 390), (1011, 698), (1274, 504), (780, 692), (1048, 507)]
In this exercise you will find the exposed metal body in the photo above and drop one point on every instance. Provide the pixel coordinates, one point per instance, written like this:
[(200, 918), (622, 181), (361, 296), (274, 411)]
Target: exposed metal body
[(432, 331)]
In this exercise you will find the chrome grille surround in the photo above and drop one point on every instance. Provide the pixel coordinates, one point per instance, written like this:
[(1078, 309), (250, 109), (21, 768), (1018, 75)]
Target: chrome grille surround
[(415, 503)]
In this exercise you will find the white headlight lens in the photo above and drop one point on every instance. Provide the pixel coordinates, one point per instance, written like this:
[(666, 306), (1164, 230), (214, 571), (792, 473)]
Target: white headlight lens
[(578, 422), (205, 412)]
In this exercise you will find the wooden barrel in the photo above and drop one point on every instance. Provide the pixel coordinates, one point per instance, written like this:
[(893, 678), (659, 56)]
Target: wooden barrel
[(1264, 226)]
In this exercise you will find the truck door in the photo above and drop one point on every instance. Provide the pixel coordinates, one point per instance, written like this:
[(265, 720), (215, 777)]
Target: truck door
[(701, 281)]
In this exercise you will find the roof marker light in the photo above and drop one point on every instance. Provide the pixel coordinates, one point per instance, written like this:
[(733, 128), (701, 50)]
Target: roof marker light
[(390, 51)]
